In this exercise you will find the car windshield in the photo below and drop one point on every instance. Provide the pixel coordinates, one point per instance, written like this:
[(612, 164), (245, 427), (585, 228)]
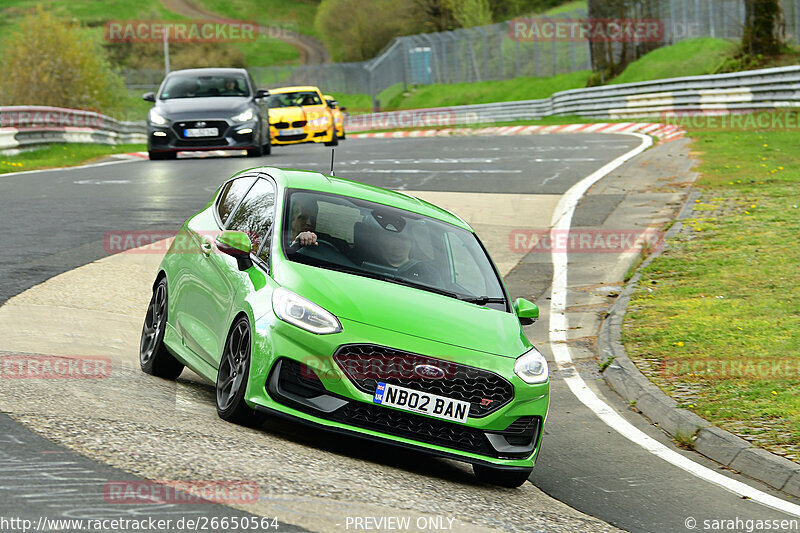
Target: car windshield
[(194, 86), (294, 99), (377, 241)]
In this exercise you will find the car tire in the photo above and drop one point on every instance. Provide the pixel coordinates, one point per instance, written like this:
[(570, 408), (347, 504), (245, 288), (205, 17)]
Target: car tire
[(154, 358), (258, 151), (232, 377), (343, 137), (334, 139), (501, 477), (267, 148)]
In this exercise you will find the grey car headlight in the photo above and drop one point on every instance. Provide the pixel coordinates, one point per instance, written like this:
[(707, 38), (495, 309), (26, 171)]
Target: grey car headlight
[(304, 314), (531, 367), (244, 116), (155, 118)]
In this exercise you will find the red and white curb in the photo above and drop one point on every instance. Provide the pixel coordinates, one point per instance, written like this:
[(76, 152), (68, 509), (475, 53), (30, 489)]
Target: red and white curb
[(197, 155), (663, 132)]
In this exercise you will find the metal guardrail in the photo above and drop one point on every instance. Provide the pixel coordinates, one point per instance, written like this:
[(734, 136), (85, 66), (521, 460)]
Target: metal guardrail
[(775, 88), (29, 126)]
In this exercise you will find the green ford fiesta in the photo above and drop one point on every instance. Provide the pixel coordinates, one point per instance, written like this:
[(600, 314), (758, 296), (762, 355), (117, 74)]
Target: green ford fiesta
[(354, 309)]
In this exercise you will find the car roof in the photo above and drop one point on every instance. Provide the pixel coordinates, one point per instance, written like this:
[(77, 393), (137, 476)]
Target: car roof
[(316, 181), (210, 71), (294, 89)]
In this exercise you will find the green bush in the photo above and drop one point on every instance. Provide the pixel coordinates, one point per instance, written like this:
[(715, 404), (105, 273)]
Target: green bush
[(55, 63)]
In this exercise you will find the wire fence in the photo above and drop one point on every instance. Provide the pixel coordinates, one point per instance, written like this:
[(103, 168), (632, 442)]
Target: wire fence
[(500, 51)]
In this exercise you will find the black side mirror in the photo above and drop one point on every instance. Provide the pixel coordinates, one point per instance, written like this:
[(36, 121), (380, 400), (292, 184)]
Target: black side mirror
[(261, 93), (149, 97), (342, 109)]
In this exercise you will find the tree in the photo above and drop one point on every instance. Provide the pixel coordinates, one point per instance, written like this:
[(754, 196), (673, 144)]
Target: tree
[(469, 13), (355, 30), (762, 27), (611, 58), (54, 63)]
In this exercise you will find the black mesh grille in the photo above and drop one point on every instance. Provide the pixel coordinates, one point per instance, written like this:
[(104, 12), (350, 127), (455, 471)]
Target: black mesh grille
[(414, 427), (206, 142), (522, 431), (299, 123), (297, 137), (300, 379), (281, 125), (366, 364)]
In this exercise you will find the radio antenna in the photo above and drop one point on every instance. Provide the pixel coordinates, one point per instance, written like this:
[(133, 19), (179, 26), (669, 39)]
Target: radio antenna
[(332, 152)]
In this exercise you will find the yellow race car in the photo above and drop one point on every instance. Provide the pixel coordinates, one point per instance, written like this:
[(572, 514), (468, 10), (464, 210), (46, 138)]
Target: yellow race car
[(300, 115), (338, 117)]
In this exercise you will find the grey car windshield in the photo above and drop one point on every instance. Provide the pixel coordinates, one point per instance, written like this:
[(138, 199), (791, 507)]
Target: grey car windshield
[(194, 86), (382, 242), (294, 99)]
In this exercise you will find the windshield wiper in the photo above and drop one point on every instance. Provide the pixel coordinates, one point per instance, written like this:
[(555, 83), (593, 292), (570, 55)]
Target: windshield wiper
[(483, 300), (407, 283)]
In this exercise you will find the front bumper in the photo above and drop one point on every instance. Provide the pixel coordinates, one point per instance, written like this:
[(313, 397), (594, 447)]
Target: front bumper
[(286, 378), (232, 136), (309, 135)]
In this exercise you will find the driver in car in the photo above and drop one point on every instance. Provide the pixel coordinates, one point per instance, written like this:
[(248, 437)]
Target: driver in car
[(304, 222), (303, 231)]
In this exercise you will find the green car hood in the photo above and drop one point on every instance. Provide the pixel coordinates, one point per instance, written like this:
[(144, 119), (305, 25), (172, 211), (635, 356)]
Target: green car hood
[(406, 310)]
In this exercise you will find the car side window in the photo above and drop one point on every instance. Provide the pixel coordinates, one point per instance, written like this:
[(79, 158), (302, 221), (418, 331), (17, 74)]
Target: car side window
[(256, 214), (229, 197)]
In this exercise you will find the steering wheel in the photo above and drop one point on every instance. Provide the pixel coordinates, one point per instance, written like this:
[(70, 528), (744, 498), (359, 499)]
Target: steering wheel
[(322, 244)]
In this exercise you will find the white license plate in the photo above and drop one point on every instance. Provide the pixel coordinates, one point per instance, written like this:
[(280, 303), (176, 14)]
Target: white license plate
[(421, 402), (201, 132), (290, 131)]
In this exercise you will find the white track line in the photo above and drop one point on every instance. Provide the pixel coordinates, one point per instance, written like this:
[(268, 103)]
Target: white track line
[(562, 219), (89, 165)]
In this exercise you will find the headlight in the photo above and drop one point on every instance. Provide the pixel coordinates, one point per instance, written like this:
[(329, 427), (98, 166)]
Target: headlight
[(244, 116), (320, 122), (155, 118), (531, 367), (303, 313)]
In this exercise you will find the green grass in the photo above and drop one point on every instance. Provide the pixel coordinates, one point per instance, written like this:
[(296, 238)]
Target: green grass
[(266, 51), (62, 155), (94, 14), (566, 8), (726, 292), (692, 57), (453, 94), (297, 15), (355, 103)]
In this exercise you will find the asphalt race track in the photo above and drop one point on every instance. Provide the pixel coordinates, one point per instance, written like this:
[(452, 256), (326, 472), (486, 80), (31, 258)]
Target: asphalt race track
[(56, 221)]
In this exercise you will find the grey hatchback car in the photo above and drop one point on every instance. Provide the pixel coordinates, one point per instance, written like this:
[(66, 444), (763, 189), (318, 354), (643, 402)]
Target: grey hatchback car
[(207, 109)]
